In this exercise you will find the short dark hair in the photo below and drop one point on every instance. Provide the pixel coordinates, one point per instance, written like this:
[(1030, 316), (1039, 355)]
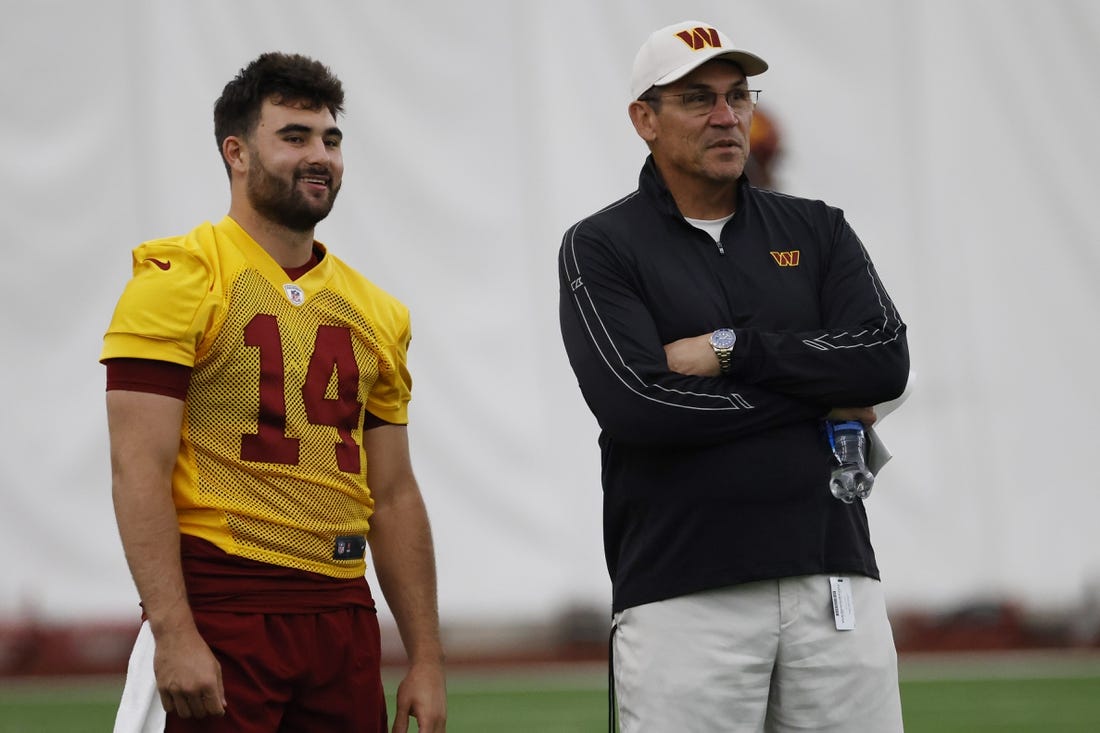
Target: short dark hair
[(282, 77), (652, 98)]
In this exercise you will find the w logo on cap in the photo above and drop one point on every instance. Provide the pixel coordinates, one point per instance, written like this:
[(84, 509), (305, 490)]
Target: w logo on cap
[(700, 38)]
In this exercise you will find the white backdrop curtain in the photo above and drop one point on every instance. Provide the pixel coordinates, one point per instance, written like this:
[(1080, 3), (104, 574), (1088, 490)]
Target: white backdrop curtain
[(959, 136)]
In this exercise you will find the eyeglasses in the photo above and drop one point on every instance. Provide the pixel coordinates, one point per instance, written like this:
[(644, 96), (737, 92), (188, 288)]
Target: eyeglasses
[(701, 101)]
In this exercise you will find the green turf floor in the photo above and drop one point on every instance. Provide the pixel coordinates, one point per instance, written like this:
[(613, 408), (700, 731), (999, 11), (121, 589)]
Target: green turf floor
[(983, 697)]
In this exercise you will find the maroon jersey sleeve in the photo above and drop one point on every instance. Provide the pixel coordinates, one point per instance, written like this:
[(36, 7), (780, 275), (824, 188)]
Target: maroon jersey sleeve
[(148, 375)]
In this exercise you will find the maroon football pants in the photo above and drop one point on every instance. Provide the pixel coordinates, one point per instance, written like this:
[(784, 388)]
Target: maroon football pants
[(294, 673)]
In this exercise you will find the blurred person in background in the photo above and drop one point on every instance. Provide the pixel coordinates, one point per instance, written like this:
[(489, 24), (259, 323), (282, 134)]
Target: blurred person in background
[(765, 151), (713, 326), (257, 395)]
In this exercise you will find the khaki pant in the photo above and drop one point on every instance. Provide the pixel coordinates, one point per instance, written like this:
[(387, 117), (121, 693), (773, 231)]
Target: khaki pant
[(759, 657)]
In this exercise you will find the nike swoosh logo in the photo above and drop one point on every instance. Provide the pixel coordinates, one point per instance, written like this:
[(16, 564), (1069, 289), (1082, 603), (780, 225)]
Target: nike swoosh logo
[(159, 263)]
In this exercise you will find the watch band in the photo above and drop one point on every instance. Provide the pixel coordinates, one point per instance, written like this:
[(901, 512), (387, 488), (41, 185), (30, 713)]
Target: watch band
[(725, 359)]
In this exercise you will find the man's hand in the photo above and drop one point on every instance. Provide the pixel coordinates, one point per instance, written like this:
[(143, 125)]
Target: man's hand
[(189, 677), (865, 415), (422, 695), (404, 562), (693, 357), (145, 437)]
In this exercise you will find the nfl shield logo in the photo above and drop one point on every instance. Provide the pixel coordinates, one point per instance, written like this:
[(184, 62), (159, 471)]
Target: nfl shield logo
[(295, 294)]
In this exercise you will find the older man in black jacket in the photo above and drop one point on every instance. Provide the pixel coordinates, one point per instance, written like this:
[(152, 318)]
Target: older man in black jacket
[(713, 328)]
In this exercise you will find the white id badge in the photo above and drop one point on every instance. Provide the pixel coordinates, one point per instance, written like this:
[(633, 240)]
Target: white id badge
[(844, 611)]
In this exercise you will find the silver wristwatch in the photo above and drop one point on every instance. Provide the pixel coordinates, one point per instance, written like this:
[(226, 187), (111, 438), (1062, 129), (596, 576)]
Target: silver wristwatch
[(722, 342)]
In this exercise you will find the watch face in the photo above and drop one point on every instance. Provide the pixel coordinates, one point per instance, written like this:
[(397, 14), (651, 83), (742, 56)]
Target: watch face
[(723, 338)]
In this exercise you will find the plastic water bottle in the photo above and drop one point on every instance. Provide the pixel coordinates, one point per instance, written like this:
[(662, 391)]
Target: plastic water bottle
[(851, 478)]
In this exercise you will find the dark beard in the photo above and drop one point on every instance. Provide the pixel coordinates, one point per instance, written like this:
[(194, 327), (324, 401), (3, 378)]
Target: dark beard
[(282, 203)]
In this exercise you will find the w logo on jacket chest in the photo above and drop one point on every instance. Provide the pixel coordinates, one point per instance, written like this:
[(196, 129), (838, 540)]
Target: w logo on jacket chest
[(786, 259)]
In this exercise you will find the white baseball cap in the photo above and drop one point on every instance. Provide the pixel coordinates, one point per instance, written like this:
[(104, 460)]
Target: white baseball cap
[(675, 51)]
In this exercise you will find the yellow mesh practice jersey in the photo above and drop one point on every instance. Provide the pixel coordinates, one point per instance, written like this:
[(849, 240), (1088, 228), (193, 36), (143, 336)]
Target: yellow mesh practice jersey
[(271, 465)]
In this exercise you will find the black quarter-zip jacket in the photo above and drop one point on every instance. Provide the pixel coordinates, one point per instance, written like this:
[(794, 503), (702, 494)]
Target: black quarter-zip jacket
[(714, 481)]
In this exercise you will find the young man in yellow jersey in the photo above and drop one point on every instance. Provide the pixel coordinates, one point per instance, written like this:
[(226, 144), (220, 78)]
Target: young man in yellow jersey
[(257, 407)]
